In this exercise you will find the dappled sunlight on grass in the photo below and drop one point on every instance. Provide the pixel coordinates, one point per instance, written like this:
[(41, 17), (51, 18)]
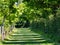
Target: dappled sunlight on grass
[(1, 43), (25, 36), (14, 30), (47, 44), (7, 37)]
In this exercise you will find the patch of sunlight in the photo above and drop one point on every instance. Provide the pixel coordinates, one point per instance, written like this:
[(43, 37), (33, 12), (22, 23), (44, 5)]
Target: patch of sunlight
[(1, 43), (48, 44), (29, 30), (0, 36), (0, 40), (51, 16), (42, 44), (15, 30), (7, 37)]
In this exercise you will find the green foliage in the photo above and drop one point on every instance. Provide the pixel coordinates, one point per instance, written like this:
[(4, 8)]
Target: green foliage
[(8, 13), (42, 14), (48, 10)]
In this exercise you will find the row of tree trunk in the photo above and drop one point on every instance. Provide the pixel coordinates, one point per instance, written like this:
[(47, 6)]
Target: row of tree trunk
[(3, 33)]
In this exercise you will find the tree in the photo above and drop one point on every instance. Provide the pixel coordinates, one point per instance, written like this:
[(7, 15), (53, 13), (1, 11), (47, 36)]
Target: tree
[(8, 14), (41, 11)]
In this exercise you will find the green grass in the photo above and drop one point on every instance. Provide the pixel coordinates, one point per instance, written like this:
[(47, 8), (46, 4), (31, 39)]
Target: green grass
[(24, 36)]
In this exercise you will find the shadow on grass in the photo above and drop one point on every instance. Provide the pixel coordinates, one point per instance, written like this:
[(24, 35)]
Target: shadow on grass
[(38, 31), (43, 34), (23, 40), (27, 42), (52, 37)]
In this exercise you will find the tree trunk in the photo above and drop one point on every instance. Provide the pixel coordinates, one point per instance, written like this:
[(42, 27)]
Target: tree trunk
[(2, 29), (11, 27), (3, 33), (19, 1)]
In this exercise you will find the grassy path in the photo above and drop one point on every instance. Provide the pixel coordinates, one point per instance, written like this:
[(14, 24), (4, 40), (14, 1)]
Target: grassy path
[(24, 36)]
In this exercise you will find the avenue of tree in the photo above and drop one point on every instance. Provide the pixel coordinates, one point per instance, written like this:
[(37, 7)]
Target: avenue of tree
[(42, 14)]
